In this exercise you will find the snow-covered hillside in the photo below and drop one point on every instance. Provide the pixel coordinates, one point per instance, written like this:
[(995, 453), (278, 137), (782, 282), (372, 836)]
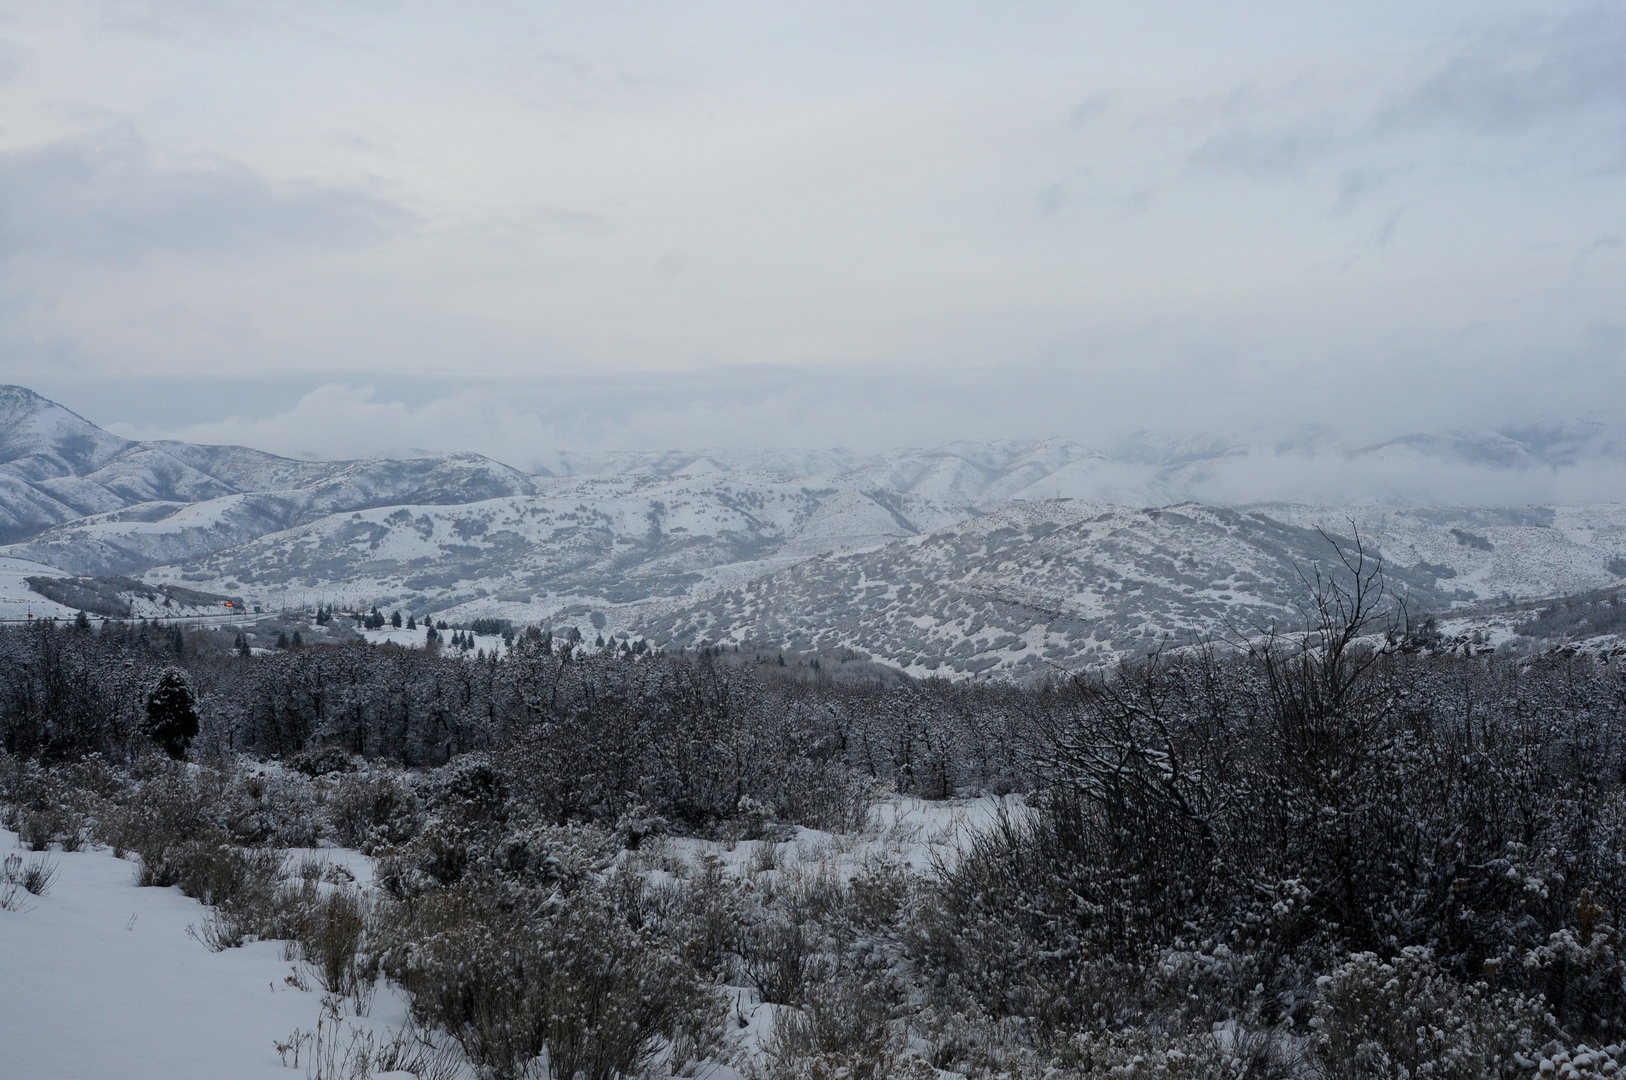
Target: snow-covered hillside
[(1063, 583), (19, 601), (969, 557), (606, 543)]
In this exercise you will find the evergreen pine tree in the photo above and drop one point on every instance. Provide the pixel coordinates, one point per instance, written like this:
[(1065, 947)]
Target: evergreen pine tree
[(172, 716), (395, 619)]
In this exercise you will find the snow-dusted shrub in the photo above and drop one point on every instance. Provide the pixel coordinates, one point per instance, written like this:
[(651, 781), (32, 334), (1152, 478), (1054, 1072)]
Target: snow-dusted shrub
[(512, 975), (165, 803), (699, 913), (1406, 1018), (780, 957), (796, 930), (1228, 1054), (215, 871), (1020, 926), (322, 760), (374, 810), (12, 895), (438, 856), (255, 807), (39, 829), (48, 806), (1582, 974), (34, 877), (469, 790), (876, 895), (844, 1027), (972, 1045), (446, 853)]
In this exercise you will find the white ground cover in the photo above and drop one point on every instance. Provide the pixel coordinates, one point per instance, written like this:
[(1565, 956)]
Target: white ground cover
[(18, 600), (99, 980)]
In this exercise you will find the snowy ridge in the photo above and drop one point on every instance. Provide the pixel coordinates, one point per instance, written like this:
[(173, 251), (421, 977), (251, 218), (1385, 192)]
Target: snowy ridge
[(967, 558), (1060, 584), (604, 542)]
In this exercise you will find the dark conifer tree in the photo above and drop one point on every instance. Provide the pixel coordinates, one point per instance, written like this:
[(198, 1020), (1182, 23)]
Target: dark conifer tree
[(172, 717)]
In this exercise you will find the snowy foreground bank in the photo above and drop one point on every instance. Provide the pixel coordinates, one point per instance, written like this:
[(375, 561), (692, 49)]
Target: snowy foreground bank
[(102, 978)]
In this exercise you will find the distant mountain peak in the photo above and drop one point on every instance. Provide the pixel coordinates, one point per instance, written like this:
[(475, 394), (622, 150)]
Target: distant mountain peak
[(43, 439)]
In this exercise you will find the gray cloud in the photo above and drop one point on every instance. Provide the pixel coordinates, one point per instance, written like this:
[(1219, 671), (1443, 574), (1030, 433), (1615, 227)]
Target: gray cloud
[(1520, 75), (1053, 198), (1090, 108), (104, 198), (1355, 184), (1285, 151), (13, 57), (630, 226), (1501, 78)]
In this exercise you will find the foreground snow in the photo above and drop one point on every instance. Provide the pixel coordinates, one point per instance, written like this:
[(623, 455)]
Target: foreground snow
[(101, 979)]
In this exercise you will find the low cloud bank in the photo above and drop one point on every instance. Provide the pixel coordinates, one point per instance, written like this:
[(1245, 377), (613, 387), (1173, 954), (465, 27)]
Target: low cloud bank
[(573, 430)]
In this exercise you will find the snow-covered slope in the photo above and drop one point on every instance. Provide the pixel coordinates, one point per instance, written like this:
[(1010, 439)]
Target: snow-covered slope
[(59, 470), (1033, 585), (603, 542), (41, 439), (1065, 583), (1516, 552), (19, 601), (166, 529), (961, 558)]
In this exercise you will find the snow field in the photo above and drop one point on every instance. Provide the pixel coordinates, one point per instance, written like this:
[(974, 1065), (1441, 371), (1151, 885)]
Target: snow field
[(102, 979), (18, 600)]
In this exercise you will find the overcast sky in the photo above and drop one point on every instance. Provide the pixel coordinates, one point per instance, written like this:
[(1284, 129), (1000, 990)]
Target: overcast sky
[(346, 227)]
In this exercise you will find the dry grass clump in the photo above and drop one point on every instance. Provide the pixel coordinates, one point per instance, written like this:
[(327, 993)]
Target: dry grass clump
[(19, 880)]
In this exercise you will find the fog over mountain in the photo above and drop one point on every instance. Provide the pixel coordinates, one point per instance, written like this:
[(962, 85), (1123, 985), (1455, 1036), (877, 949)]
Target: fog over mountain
[(1003, 556)]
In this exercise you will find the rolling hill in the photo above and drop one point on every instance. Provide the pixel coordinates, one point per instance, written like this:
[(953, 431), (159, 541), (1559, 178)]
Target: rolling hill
[(964, 559)]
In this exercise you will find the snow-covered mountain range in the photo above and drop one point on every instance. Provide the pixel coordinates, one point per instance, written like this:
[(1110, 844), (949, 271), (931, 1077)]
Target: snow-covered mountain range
[(964, 558)]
